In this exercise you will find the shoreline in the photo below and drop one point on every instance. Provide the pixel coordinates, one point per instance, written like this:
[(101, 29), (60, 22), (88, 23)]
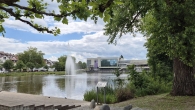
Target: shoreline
[(32, 73)]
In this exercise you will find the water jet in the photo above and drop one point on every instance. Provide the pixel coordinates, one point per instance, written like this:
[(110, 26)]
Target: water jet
[(70, 66)]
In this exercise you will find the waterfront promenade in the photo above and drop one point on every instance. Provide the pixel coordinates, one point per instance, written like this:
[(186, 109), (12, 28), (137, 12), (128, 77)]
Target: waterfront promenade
[(20, 101)]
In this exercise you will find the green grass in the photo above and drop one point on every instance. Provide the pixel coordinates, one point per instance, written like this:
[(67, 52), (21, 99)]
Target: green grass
[(161, 102), (31, 73)]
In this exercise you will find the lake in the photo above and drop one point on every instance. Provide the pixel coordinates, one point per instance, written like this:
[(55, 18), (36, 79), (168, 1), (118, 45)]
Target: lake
[(69, 86)]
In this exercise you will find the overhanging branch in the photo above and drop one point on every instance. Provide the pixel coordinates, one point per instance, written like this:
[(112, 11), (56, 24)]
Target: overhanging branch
[(41, 29), (103, 7), (34, 10)]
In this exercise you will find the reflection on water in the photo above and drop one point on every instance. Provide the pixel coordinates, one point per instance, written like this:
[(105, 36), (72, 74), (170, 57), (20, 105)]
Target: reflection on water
[(69, 86)]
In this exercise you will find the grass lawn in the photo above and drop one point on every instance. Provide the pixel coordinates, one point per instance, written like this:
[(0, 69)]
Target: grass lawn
[(31, 73), (161, 102)]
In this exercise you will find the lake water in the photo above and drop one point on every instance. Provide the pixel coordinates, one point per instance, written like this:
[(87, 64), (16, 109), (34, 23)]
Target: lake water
[(69, 86)]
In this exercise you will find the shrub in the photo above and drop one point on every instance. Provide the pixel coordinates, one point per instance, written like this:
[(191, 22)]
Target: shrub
[(110, 98), (90, 95), (142, 84), (124, 94)]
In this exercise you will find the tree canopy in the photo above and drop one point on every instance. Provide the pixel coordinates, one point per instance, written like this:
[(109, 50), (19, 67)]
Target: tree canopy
[(20, 64), (8, 64), (32, 58)]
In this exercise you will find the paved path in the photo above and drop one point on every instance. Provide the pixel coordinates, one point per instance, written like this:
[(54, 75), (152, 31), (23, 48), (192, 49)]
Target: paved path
[(13, 99)]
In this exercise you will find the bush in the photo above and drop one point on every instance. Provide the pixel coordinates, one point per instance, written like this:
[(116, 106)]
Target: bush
[(142, 84), (90, 95), (124, 94), (110, 95), (150, 87), (111, 98)]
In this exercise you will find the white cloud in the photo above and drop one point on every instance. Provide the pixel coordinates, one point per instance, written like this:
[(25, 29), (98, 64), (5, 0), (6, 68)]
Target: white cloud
[(92, 45), (72, 27), (53, 58)]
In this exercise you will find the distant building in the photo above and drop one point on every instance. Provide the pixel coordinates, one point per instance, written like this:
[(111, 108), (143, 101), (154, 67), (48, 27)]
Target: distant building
[(140, 65), (109, 64), (7, 56), (102, 63), (49, 63)]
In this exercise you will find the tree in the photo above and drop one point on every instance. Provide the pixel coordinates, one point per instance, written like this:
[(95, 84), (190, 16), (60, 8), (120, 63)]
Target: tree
[(30, 65), (59, 66), (20, 64), (169, 27), (84, 65), (62, 59), (79, 65), (8, 64), (32, 57)]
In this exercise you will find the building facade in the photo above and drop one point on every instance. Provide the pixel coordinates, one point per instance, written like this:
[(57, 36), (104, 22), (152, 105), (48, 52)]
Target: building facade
[(109, 64), (101, 63)]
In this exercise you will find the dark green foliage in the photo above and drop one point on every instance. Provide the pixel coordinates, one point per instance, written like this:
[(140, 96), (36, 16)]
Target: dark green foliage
[(32, 57), (119, 82), (142, 84), (110, 95), (62, 59), (20, 65), (30, 65), (8, 64), (90, 95), (111, 98), (46, 67), (59, 66), (81, 65)]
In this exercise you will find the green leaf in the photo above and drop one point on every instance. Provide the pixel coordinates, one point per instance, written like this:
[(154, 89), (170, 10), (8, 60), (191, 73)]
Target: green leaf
[(106, 18), (83, 1), (57, 18), (118, 2), (65, 21), (38, 15), (101, 15)]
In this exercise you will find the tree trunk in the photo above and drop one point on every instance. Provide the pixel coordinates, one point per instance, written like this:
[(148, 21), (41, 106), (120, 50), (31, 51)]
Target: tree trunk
[(183, 81)]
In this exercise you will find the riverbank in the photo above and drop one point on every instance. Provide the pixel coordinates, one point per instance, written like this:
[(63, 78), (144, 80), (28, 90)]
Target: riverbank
[(161, 102), (31, 73)]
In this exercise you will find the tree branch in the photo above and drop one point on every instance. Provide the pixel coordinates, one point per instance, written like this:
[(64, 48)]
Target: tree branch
[(8, 1), (39, 12), (41, 29), (102, 7)]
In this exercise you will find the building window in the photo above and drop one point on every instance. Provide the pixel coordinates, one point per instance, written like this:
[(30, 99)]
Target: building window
[(109, 62)]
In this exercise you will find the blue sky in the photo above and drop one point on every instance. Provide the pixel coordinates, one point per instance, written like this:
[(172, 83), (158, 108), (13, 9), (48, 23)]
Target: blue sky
[(79, 38)]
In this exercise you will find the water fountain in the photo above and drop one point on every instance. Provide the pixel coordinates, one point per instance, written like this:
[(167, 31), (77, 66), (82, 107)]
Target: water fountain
[(70, 66)]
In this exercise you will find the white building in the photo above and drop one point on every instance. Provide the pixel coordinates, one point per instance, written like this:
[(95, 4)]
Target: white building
[(7, 56), (102, 63), (111, 63)]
